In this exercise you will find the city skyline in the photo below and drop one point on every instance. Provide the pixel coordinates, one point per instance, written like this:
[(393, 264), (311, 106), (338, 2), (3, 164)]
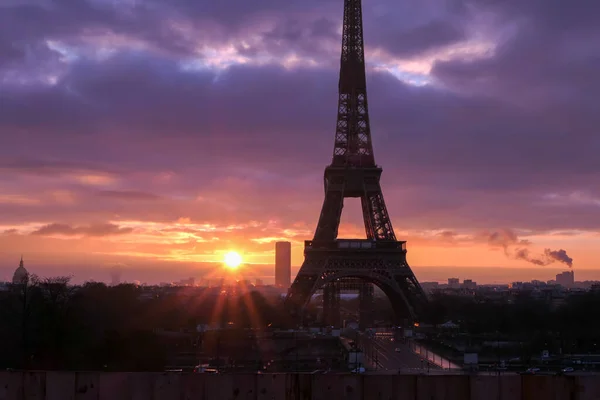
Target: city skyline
[(149, 147), (266, 273)]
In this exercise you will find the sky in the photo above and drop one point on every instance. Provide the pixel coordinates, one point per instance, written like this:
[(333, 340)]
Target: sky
[(155, 136)]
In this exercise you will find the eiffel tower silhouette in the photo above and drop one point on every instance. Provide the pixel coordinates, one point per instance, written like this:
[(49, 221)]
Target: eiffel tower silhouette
[(380, 259)]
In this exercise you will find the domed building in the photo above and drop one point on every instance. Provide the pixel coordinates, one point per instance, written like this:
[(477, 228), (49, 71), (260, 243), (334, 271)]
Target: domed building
[(20, 276)]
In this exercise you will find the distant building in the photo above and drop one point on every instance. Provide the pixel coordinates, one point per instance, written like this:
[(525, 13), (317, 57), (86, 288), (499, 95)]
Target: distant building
[(204, 282), (191, 281), (566, 279), (428, 286), (469, 284), (515, 285), (20, 276), (259, 282), (453, 282), (283, 264), (244, 283)]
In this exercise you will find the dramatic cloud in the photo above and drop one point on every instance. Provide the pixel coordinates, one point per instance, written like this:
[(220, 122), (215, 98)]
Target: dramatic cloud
[(127, 195), (168, 117), (504, 238), (92, 230)]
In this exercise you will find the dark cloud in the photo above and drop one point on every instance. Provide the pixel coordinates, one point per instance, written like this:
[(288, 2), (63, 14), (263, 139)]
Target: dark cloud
[(420, 39), (145, 101), (314, 38), (234, 13), (549, 60), (91, 230), (479, 148), (278, 123), (26, 23), (45, 167), (128, 195), (224, 118), (30, 32), (10, 53), (504, 238), (547, 15)]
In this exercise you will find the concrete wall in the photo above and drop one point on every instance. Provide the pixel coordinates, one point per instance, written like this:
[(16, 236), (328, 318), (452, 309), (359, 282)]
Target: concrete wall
[(167, 386)]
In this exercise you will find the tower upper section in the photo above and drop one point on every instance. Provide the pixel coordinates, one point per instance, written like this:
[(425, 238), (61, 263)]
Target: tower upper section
[(353, 145)]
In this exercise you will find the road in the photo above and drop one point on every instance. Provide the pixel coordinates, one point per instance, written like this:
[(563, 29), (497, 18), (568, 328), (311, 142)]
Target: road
[(387, 355), (381, 357)]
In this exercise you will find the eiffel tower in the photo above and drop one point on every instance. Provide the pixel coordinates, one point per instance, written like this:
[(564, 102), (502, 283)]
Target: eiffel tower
[(380, 259)]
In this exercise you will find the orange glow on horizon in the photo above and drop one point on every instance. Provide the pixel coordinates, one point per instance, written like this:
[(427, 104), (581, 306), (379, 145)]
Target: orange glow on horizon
[(154, 251)]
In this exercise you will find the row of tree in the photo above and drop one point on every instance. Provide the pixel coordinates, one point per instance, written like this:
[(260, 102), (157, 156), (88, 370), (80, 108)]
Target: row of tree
[(575, 315), (50, 324)]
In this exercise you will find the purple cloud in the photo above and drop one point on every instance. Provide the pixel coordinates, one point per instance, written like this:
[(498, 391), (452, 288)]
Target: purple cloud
[(128, 195), (179, 102), (92, 230)]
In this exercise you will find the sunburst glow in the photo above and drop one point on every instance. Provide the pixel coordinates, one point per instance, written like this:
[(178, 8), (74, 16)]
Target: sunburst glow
[(232, 260)]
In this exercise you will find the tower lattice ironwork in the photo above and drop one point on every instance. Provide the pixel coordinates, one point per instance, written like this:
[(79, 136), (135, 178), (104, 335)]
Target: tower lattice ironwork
[(380, 259)]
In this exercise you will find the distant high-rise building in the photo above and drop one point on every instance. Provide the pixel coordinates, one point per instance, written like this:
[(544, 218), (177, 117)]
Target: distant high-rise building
[(566, 279), (259, 282), (283, 264), (453, 282)]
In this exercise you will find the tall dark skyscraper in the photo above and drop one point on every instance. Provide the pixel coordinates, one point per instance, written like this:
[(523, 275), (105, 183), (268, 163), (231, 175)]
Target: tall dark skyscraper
[(283, 264)]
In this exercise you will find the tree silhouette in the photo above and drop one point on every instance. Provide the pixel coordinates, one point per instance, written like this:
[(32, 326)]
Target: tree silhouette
[(47, 323)]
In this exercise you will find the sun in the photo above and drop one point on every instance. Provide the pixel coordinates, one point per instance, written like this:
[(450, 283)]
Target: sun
[(232, 260)]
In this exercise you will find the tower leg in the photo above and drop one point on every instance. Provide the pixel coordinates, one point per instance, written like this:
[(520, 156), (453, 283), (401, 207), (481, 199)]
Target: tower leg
[(336, 312), (331, 304), (327, 303), (384, 267), (366, 297)]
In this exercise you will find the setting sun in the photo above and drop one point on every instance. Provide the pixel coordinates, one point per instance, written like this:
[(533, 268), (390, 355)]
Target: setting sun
[(232, 260)]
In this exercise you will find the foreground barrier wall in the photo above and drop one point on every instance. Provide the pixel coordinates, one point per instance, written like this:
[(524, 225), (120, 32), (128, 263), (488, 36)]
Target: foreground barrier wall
[(167, 386)]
